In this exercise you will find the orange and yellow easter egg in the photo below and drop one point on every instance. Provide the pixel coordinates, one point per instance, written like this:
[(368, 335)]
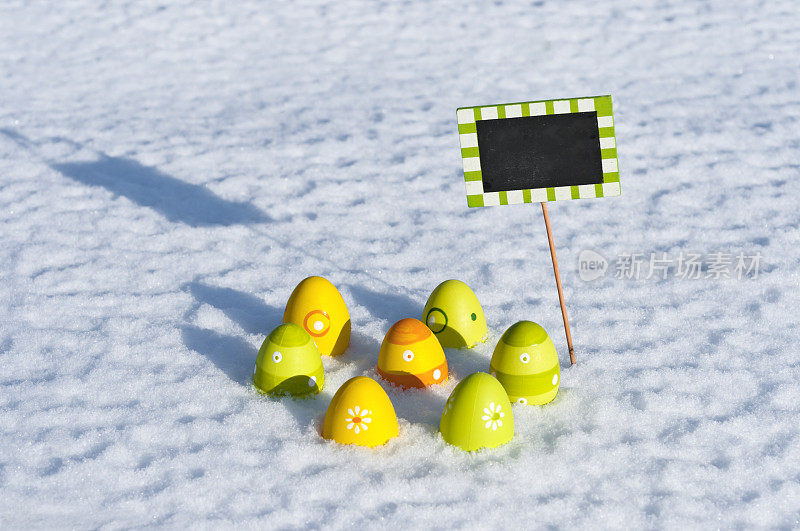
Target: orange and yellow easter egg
[(411, 356), (360, 413), (317, 306)]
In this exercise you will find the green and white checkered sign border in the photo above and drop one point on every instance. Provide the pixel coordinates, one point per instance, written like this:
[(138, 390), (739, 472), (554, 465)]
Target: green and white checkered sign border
[(470, 155)]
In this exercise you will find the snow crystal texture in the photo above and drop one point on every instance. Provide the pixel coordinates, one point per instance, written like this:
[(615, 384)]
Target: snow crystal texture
[(169, 172)]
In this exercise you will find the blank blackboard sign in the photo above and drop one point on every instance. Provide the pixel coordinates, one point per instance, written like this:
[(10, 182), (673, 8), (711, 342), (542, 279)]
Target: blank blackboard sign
[(539, 151)]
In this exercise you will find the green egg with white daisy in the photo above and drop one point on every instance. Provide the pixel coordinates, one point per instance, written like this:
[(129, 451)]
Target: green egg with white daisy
[(477, 414), (288, 363), (525, 361)]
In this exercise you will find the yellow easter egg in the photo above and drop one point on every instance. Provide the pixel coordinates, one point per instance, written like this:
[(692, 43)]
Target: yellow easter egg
[(411, 356), (360, 413), (454, 314), (317, 306)]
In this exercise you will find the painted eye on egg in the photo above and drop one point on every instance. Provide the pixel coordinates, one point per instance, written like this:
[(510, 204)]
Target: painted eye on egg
[(473, 316), (524, 357), (408, 355), (317, 323), (277, 357), (436, 319)]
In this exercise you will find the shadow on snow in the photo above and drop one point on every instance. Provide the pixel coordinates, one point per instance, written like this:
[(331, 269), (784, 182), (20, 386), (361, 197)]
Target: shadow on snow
[(176, 200)]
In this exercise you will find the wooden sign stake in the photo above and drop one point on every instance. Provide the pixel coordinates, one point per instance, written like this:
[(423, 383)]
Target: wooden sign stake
[(558, 282)]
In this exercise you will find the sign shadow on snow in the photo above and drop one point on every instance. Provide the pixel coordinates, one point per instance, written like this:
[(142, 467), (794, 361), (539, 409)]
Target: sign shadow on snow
[(146, 186)]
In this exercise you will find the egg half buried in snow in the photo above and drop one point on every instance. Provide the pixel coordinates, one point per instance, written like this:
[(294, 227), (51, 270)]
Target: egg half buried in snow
[(317, 306), (454, 314), (525, 361), (360, 413), (411, 356), (477, 414), (288, 363)]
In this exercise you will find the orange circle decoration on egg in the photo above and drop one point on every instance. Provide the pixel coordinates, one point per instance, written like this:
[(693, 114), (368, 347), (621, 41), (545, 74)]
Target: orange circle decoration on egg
[(411, 356), (317, 306), (360, 413)]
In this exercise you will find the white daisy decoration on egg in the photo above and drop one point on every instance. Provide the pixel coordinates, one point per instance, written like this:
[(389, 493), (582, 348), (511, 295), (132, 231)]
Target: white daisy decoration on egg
[(358, 419), (493, 415)]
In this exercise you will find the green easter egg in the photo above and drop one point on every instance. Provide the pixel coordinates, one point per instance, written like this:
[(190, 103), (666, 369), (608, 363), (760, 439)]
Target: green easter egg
[(477, 414), (454, 314), (288, 362), (525, 361)]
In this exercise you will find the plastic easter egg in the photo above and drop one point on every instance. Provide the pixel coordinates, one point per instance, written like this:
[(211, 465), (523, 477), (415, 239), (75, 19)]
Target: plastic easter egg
[(360, 413), (477, 414), (454, 314), (288, 363), (410, 355), (525, 361), (317, 306)]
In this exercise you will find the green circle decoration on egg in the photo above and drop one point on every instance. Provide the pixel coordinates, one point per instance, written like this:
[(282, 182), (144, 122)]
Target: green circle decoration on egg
[(477, 414), (288, 362), (525, 361), (454, 314)]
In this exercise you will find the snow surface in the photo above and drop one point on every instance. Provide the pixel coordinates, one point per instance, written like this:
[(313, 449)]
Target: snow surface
[(170, 171)]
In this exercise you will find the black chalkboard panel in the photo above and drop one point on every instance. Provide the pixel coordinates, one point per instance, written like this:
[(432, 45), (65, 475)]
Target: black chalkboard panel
[(539, 151)]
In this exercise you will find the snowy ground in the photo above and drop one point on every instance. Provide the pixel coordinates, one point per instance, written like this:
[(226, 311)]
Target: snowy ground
[(168, 173)]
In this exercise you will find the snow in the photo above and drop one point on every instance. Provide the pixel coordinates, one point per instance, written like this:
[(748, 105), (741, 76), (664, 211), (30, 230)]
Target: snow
[(169, 172)]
